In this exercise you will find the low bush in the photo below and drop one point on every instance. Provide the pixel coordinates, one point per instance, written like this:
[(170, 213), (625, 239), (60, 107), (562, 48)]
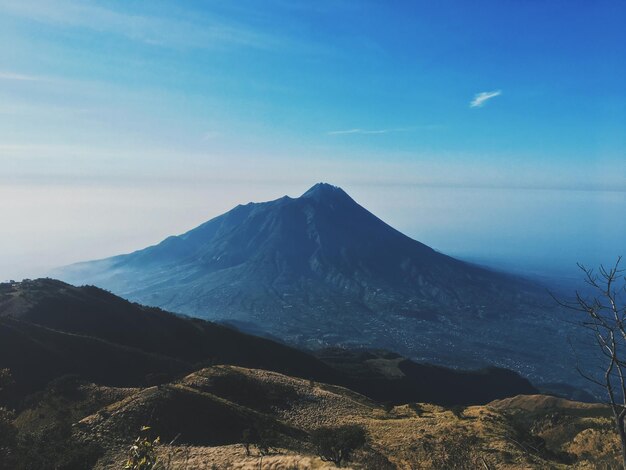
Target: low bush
[(338, 444)]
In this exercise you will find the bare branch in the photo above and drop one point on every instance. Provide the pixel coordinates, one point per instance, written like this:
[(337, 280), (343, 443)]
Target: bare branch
[(606, 323)]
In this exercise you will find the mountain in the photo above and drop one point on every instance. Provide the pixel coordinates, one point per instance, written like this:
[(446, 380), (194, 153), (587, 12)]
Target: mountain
[(49, 329), (300, 259), (320, 270)]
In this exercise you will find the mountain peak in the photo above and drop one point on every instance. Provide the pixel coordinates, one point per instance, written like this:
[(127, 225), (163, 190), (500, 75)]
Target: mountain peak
[(325, 190)]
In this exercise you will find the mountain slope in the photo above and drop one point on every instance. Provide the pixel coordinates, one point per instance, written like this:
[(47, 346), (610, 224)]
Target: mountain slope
[(321, 252), (320, 270), (49, 329)]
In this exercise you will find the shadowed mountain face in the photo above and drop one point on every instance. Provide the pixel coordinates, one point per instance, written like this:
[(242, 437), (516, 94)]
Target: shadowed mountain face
[(49, 329), (320, 270)]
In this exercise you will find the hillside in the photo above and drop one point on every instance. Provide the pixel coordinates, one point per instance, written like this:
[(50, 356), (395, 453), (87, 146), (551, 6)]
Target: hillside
[(320, 271), (207, 412), (389, 377), (49, 329)]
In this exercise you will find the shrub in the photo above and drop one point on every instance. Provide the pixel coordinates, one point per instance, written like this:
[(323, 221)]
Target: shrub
[(337, 444), (142, 453), (266, 440)]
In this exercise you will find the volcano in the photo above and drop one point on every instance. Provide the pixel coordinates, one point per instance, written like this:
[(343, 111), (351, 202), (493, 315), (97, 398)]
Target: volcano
[(320, 270), (318, 256)]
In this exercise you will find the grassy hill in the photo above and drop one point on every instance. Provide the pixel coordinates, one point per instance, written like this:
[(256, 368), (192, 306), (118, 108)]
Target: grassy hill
[(207, 412), (206, 389)]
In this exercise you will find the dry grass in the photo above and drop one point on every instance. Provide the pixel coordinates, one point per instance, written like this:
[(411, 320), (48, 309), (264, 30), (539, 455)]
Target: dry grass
[(234, 457), (529, 432)]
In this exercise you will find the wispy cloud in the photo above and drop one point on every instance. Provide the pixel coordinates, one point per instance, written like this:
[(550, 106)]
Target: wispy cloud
[(481, 98), (19, 77), (210, 135), (369, 131), (360, 131), (151, 30)]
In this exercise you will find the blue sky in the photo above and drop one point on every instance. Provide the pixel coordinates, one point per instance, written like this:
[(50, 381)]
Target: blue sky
[(103, 104)]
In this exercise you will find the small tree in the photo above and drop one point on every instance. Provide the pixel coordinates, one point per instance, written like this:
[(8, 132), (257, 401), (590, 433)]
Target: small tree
[(337, 444), (247, 438), (265, 439), (605, 317)]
